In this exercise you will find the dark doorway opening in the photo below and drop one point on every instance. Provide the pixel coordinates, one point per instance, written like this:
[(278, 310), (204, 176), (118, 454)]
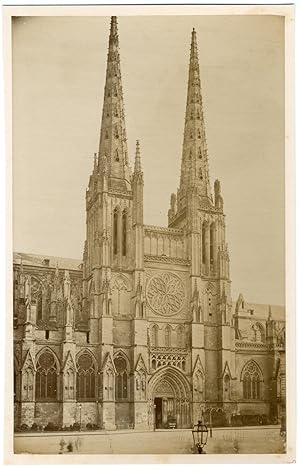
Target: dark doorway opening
[(158, 412)]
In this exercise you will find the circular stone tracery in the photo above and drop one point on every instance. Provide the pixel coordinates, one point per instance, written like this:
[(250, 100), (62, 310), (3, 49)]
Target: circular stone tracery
[(165, 294)]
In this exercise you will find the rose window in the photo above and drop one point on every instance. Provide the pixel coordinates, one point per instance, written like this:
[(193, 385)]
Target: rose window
[(166, 294)]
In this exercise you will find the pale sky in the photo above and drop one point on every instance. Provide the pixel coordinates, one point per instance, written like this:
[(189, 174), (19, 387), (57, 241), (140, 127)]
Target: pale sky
[(59, 66)]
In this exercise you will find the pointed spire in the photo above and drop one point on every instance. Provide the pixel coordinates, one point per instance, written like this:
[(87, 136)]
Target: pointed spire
[(137, 162), (194, 165), (113, 141)]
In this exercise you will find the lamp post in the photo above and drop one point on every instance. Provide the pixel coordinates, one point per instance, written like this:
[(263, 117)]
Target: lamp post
[(200, 434), (210, 418), (80, 406)]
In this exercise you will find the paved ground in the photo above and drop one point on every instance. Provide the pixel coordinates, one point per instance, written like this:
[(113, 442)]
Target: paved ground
[(243, 440)]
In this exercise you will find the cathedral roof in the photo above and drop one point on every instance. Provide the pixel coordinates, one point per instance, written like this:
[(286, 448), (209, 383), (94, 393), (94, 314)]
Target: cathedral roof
[(261, 311), (39, 260)]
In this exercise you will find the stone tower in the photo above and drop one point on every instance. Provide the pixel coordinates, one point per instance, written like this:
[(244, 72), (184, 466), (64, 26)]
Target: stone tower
[(201, 217), (113, 255)]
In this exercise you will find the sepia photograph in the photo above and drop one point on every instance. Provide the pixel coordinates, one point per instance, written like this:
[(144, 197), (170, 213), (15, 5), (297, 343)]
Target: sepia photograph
[(149, 233)]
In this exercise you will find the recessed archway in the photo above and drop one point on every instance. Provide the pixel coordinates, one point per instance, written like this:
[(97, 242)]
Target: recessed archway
[(169, 393)]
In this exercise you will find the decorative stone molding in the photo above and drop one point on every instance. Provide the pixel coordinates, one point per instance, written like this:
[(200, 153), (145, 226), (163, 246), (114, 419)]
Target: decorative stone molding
[(166, 260), (251, 345), (160, 229), (170, 358)]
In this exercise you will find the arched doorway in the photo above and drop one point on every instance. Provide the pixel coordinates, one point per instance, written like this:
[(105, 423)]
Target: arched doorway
[(169, 393)]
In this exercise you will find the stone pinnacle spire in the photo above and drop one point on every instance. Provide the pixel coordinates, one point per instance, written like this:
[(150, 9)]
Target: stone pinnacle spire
[(137, 162), (194, 165), (113, 141)]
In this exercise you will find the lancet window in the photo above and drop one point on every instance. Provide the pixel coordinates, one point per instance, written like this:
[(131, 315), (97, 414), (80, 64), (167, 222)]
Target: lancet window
[(203, 243), (86, 377), (115, 231), (46, 381), (124, 233), (121, 378), (168, 332), (211, 243), (154, 335)]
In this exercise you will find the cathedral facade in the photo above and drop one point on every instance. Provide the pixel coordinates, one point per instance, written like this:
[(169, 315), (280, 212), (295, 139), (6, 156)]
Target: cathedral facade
[(143, 332)]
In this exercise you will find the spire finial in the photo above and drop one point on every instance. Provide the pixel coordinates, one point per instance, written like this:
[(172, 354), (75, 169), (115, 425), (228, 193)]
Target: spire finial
[(113, 28)]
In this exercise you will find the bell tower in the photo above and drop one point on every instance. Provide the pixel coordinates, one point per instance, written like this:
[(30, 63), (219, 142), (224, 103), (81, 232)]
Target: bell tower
[(195, 210)]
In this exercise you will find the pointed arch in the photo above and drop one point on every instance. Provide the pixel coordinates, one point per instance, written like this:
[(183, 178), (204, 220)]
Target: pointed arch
[(252, 377), (168, 335), (86, 375), (154, 335), (174, 378), (203, 241), (226, 387), (121, 282), (116, 230), (47, 372), (124, 232), (258, 332), (180, 342), (212, 229), (122, 367)]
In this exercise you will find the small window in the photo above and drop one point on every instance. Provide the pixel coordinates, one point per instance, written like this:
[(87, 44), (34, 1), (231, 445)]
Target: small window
[(88, 337), (46, 335)]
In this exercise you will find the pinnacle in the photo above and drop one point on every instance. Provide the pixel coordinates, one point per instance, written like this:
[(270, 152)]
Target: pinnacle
[(137, 162)]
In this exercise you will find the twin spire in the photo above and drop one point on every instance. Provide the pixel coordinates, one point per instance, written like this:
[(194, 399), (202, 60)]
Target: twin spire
[(194, 164), (113, 141)]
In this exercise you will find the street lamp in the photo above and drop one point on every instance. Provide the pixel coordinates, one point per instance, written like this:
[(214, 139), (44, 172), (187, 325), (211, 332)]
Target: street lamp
[(80, 406), (210, 418), (200, 434)]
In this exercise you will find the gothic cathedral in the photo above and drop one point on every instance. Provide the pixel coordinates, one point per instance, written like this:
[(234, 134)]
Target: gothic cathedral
[(144, 332)]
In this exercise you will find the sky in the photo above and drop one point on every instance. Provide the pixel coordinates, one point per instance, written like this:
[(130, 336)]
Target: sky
[(59, 66)]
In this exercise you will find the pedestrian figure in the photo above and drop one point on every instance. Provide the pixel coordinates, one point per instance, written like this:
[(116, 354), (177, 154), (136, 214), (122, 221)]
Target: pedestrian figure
[(77, 444), (70, 447), (62, 444)]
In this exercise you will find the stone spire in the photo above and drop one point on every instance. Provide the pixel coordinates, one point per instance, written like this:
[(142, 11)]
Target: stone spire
[(137, 162), (194, 165), (113, 141)]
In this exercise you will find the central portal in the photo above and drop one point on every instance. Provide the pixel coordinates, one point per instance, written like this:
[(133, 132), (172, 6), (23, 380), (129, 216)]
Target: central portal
[(170, 393)]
